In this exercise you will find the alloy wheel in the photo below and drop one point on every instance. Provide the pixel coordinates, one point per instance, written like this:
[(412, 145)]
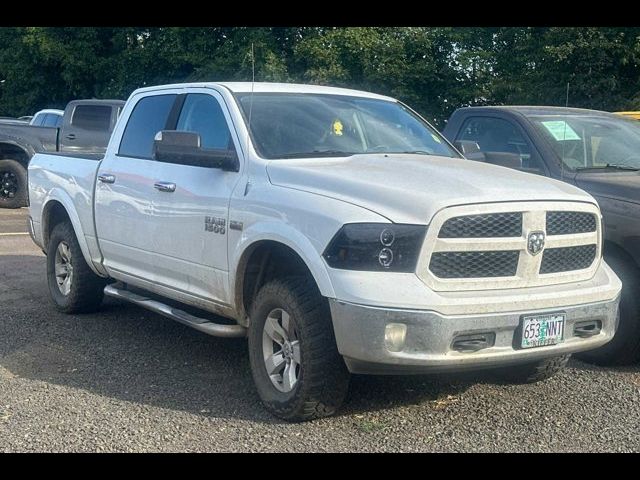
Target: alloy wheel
[(281, 350), (63, 268)]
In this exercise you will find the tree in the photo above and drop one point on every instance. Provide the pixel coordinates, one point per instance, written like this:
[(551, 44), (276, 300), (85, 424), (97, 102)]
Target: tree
[(434, 70)]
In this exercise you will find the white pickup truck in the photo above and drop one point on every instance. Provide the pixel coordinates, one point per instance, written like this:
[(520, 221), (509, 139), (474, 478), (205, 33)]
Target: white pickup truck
[(334, 228)]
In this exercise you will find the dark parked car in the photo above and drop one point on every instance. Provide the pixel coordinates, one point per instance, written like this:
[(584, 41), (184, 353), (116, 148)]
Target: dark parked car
[(86, 128), (597, 151)]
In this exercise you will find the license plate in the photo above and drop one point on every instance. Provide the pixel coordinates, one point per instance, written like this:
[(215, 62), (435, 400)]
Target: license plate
[(542, 330)]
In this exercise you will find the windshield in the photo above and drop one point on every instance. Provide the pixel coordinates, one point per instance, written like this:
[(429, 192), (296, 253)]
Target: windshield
[(593, 142), (291, 125)]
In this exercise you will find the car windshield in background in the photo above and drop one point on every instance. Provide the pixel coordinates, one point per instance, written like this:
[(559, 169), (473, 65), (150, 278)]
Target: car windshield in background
[(593, 142), (292, 125)]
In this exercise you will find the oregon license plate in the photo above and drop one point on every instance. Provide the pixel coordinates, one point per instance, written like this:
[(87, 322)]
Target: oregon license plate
[(542, 330)]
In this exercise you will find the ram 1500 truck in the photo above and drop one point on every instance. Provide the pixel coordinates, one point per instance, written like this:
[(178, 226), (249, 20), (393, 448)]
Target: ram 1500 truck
[(85, 127), (335, 228), (596, 151)]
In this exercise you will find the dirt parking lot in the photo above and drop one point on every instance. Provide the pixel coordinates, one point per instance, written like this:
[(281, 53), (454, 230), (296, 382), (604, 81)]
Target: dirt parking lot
[(125, 379)]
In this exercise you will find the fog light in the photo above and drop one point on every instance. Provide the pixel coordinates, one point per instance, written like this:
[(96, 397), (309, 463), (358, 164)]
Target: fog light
[(394, 336)]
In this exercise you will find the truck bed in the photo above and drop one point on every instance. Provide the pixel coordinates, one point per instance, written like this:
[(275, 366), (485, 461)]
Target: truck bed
[(71, 177), (41, 139)]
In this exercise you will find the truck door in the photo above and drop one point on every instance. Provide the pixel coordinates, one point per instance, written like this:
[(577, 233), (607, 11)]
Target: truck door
[(124, 193), (191, 206)]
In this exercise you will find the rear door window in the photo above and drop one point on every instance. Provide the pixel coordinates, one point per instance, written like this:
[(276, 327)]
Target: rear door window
[(52, 120), (38, 120), (148, 117), (92, 117)]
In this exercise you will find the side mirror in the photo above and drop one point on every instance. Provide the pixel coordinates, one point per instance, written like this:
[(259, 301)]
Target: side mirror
[(466, 147), (185, 148)]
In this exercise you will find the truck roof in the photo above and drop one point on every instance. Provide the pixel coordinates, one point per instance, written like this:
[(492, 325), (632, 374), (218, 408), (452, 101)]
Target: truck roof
[(50, 110), (542, 110), (95, 101), (271, 87)]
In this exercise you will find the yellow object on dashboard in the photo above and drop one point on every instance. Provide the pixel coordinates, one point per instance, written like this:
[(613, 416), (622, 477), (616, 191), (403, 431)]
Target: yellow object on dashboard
[(635, 115)]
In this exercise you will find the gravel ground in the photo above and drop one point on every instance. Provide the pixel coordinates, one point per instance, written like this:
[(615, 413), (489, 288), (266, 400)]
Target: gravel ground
[(128, 380)]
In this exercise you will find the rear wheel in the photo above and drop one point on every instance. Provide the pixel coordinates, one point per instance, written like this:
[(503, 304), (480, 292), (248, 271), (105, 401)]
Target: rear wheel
[(624, 348), (533, 372), (73, 286), (296, 367), (13, 184)]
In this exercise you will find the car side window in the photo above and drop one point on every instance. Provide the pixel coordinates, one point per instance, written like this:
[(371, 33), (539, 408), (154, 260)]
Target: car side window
[(37, 122), (51, 120), (91, 117), (148, 117), (501, 137), (202, 114)]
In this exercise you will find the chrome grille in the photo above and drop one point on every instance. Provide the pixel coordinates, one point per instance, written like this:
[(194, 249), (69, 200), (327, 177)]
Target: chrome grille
[(555, 260), (486, 246), (474, 264), (492, 225), (565, 223)]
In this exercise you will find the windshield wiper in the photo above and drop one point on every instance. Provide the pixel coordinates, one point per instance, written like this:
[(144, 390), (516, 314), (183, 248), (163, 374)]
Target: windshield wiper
[(612, 166), (317, 153)]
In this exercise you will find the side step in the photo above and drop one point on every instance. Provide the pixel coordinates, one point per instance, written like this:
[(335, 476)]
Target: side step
[(200, 324)]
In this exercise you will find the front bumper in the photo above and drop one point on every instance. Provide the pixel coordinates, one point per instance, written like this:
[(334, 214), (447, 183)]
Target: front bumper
[(430, 337)]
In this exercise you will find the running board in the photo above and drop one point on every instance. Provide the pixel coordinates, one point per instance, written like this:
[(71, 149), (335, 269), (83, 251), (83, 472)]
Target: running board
[(200, 324)]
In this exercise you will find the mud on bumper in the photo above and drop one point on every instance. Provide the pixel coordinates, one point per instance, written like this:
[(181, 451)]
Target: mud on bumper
[(435, 342)]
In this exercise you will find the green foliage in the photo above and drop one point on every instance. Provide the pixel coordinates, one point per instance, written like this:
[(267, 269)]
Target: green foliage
[(433, 69)]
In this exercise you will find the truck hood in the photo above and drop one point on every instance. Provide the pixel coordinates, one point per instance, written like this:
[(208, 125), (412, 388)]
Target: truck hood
[(623, 186), (412, 188)]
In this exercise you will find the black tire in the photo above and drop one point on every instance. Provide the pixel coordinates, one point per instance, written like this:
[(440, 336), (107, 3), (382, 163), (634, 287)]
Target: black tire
[(533, 372), (624, 348), (323, 379), (13, 184), (86, 288)]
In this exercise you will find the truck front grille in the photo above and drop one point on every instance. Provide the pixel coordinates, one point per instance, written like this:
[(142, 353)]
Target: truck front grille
[(566, 259), (492, 225), (484, 247), (474, 264), (565, 223)]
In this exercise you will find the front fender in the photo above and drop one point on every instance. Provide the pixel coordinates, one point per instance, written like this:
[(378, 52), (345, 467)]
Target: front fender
[(292, 238)]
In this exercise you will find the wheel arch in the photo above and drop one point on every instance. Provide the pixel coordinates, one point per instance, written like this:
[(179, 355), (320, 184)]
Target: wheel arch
[(293, 254), (58, 208), (12, 150)]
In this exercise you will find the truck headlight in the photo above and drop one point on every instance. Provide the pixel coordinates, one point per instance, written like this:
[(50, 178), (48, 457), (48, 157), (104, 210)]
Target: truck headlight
[(376, 247)]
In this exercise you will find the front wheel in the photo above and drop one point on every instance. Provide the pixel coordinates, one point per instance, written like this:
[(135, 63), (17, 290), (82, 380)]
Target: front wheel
[(533, 372), (295, 363)]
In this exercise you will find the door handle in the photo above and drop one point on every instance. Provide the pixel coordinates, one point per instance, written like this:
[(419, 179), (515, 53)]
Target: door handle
[(71, 136), (165, 186), (107, 178)]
